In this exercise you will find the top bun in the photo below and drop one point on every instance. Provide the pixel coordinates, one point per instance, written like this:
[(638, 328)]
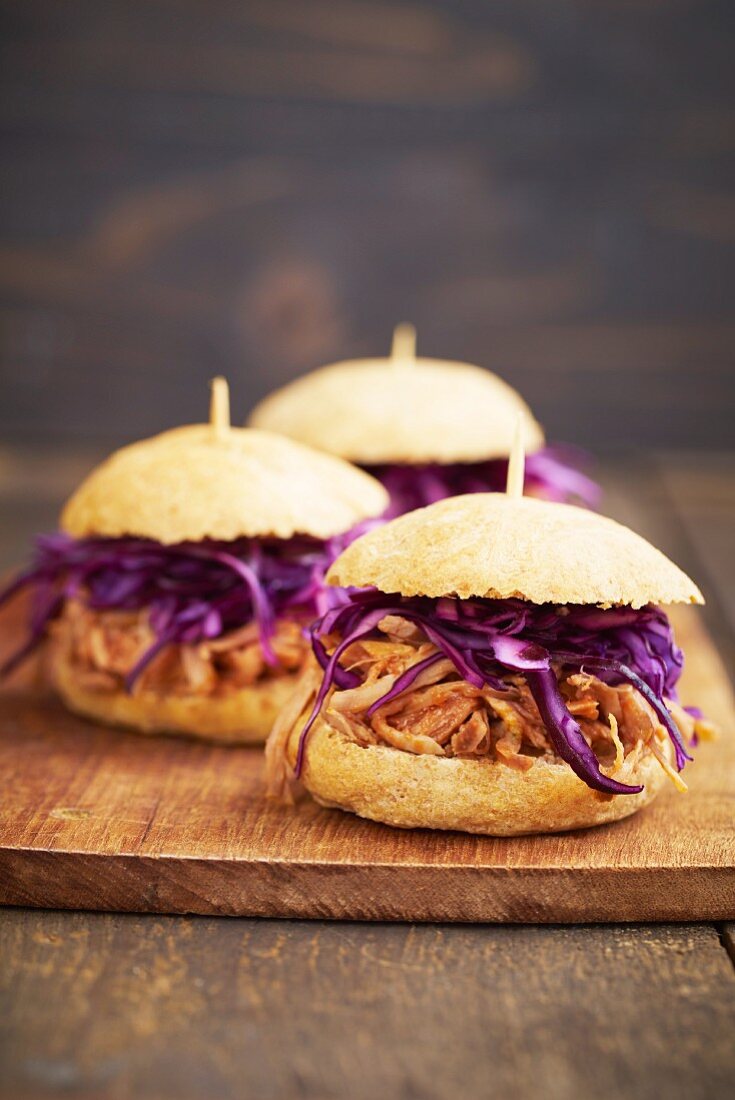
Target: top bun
[(401, 411), (497, 546), (197, 482)]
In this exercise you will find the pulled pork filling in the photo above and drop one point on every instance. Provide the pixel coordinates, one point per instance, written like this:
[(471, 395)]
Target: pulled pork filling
[(502, 679), (441, 714), (104, 647), (201, 616)]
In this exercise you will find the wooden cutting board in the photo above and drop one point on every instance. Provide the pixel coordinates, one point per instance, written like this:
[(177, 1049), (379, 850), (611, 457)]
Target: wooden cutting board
[(93, 818)]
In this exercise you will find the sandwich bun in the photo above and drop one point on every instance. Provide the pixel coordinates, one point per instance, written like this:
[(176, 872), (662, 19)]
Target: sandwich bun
[(195, 483), (496, 546), (490, 545), (208, 481), (401, 411), (242, 717), (472, 796)]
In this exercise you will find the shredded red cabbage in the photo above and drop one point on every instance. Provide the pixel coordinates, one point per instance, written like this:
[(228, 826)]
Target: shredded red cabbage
[(553, 472), (486, 639), (193, 591)]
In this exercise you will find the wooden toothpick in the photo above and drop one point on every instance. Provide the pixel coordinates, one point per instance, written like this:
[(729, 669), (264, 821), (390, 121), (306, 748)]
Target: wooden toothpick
[(516, 462), (219, 407), (403, 349)]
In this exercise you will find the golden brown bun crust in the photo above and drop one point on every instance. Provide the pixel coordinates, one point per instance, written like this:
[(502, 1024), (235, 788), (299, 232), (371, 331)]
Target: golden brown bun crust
[(471, 796), (377, 411), (242, 717), (190, 484), (495, 546)]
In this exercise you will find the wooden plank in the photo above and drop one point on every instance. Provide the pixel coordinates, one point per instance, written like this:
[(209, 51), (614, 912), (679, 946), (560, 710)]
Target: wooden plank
[(702, 490), (99, 819), (728, 940), (116, 1006), (268, 189), (682, 502)]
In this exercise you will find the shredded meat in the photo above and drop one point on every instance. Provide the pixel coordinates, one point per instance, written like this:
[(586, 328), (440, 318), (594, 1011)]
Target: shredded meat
[(276, 765), (106, 645), (442, 715), (588, 697), (353, 728), (691, 728), (244, 666), (358, 699), (434, 712), (473, 736), (406, 739), (399, 628)]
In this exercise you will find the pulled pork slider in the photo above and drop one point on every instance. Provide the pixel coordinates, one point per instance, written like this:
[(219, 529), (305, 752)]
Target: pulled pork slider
[(176, 594), (501, 666), (426, 428)]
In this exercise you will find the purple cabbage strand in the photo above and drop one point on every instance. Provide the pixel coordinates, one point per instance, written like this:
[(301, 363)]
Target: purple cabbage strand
[(487, 639), (554, 472), (193, 591)]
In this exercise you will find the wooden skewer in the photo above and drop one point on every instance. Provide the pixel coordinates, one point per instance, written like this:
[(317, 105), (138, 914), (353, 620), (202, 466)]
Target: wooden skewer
[(403, 348), (219, 407), (516, 462)]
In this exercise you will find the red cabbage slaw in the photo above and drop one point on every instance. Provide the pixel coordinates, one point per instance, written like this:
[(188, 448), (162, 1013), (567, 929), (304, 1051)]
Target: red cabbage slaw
[(486, 639), (194, 591), (553, 473)]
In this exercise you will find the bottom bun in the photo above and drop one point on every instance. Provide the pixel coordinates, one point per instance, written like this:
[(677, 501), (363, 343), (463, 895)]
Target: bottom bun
[(242, 717), (473, 796)]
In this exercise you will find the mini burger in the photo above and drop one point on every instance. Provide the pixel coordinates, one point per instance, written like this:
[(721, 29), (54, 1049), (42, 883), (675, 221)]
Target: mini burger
[(175, 596), (502, 666), (426, 428)]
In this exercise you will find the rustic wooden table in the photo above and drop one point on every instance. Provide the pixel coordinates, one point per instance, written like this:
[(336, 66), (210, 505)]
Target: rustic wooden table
[(109, 1005)]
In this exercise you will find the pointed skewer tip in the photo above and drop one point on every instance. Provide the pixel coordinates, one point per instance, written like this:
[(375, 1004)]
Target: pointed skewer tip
[(219, 407), (403, 348), (516, 462)]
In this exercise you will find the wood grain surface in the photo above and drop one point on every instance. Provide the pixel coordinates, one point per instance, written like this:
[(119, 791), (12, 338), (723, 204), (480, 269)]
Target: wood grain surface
[(119, 1006), (173, 1009), (207, 186), (97, 819)]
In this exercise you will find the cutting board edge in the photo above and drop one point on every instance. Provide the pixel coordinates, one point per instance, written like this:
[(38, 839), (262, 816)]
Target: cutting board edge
[(162, 884), (677, 866)]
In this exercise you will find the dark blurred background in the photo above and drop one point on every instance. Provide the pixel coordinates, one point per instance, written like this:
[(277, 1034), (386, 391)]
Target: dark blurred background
[(255, 188)]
